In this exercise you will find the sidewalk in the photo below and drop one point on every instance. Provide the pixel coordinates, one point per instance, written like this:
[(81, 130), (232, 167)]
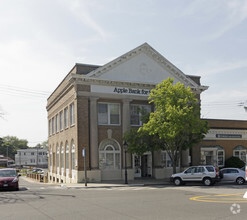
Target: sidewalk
[(120, 183), (108, 184)]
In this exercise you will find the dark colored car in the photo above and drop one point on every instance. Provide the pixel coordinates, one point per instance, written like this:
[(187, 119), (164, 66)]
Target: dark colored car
[(9, 179)]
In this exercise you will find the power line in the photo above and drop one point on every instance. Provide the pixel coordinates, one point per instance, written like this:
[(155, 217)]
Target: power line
[(13, 90)]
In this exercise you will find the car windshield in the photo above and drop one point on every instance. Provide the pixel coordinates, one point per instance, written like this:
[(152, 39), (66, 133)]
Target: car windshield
[(7, 173)]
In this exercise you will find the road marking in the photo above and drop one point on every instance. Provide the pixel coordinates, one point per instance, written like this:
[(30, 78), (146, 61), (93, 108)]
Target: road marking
[(224, 198)]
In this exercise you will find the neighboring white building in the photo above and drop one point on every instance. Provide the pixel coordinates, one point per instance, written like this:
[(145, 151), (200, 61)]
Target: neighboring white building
[(6, 161), (32, 157)]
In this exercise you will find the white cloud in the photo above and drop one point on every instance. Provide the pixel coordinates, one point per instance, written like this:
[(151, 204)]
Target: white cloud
[(81, 10), (215, 67)]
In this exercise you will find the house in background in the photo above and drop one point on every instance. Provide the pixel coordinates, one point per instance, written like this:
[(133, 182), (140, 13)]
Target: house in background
[(35, 157), (95, 105), (6, 161)]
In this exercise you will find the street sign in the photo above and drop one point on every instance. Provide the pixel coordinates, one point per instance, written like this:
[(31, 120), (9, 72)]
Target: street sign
[(83, 152)]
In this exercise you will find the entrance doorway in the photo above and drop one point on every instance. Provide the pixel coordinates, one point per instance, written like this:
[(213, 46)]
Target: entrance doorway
[(143, 165)]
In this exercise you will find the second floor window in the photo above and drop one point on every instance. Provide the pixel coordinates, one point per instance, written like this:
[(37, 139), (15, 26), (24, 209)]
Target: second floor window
[(72, 114), (61, 120), (109, 114), (137, 112), (66, 118), (57, 123)]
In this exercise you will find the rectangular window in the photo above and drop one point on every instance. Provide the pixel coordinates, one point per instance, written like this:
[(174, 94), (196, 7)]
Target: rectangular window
[(241, 154), (50, 129), (220, 155), (166, 160), (32, 153), (72, 114), (108, 114), (137, 112), (53, 125), (61, 120), (57, 124), (66, 118)]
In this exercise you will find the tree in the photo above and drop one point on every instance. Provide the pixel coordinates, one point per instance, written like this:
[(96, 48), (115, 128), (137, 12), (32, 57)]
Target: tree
[(176, 119), (10, 144), (44, 144)]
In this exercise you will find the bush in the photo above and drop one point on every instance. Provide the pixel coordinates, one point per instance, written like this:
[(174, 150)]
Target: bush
[(234, 162)]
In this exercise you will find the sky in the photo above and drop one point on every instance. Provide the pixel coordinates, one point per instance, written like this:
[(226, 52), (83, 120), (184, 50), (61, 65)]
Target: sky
[(41, 40)]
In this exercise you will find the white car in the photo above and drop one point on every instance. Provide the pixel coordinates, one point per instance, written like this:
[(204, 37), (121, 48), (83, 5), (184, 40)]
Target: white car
[(207, 174), (233, 175)]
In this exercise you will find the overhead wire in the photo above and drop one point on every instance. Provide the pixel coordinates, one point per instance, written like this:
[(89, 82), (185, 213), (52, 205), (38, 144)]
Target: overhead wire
[(24, 92)]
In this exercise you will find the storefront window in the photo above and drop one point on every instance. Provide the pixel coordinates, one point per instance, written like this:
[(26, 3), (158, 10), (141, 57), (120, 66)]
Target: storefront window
[(240, 152), (220, 158), (166, 160)]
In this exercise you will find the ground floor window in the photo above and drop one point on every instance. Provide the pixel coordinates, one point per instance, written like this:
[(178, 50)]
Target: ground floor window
[(213, 155), (240, 152), (73, 161), (166, 160), (109, 155)]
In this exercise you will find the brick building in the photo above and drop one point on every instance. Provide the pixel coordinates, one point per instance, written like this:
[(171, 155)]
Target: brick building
[(92, 108), (226, 138)]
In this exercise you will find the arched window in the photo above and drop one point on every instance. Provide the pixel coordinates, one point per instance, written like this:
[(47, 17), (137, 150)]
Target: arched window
[(62, 157), (67, 155), (109, 155), (57, 158), (72, 155), (240, 152), (50, 159)]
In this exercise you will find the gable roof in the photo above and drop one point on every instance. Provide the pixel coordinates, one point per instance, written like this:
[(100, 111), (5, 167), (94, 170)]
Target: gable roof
[(155, 56)]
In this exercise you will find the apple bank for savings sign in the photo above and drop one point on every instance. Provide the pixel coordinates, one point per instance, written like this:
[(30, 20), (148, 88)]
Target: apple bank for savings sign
[(120, 90), (131, 91)]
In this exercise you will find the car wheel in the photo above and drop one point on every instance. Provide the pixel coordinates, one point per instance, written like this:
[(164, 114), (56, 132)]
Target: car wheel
[(207, 182), (177, 181), (240, 181)]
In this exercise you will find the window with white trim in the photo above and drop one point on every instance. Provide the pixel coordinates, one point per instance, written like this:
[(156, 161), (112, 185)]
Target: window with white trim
[(61, 120), (109, 155), (66, 117), (72, 114), (67, 156), (109, 113), (137, 112), (241, 154), (166, 160), (57, 157), (220, 158), (62, 156), (57, 124), (50, 159), (53, 125), (73, 155), (50, 128)]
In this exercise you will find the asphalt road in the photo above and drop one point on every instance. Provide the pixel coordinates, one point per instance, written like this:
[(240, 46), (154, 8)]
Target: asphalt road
[(42, 201)]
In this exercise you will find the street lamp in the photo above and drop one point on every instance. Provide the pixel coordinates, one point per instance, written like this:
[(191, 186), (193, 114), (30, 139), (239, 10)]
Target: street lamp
[(125, 146)]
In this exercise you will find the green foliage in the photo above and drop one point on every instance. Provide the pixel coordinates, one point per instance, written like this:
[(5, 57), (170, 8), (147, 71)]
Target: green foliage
[(176, 119), (234, 162), (10, 144), (139, 141)]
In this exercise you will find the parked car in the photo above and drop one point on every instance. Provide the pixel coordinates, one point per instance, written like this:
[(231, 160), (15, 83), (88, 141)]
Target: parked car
[(233, 175), (207, 174), (9, 179)]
